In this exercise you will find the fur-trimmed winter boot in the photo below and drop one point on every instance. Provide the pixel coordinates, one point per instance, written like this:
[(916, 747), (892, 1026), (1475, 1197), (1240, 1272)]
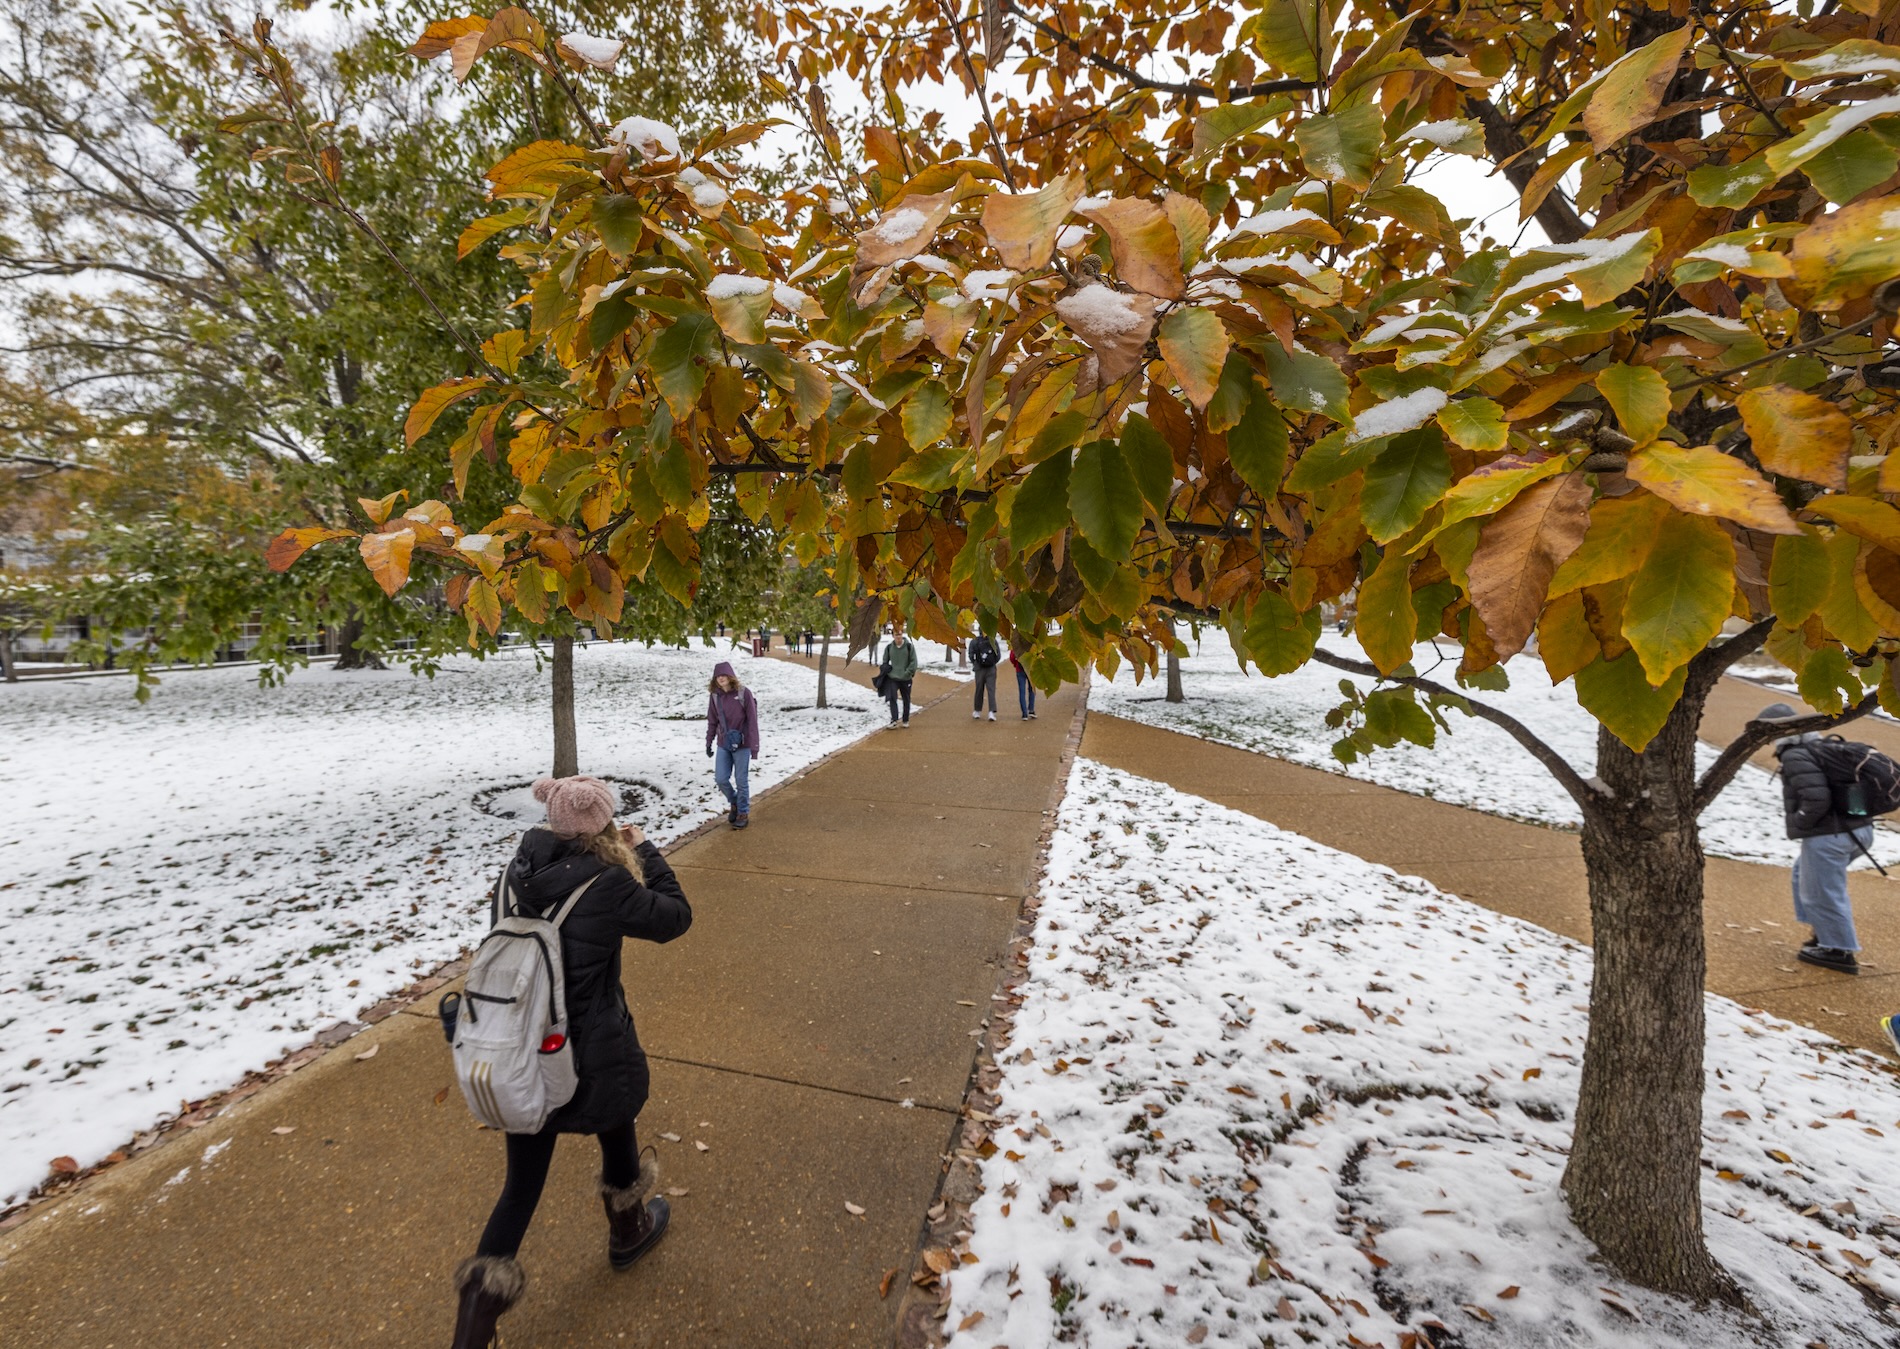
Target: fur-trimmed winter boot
[(486, 1286), (636, 1217)]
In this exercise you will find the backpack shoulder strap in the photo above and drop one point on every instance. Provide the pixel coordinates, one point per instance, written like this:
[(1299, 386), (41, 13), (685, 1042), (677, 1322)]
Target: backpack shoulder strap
[(573, 899), (502, 903)]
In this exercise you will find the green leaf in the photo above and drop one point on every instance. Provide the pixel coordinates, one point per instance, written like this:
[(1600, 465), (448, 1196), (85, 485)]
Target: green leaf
[(1410, 474), (1194, 344), (1476, 424), (1217, 125), (1415, 208), (1257, 445), (1618, 694), (1387, 621), (1096, 571), (1152, 462), (1061, 433), (1041, 507), (1278, 637), (1842, 613), (1798, 578), (1224, 409), (672, 475), (1105, 500), (679, 356), (1305, 381), (1342, 147), (1731, 185), (1640, 397), (1680, 598), (1854, 163), (931, 471), (1331, 458), (741, 315), (1291, 35), (618, 221), (927, 415), (1827, 680)]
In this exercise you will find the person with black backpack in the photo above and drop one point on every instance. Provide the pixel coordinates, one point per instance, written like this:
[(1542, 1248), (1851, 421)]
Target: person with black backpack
[(598, 885), (984, 658), (1831, 791)]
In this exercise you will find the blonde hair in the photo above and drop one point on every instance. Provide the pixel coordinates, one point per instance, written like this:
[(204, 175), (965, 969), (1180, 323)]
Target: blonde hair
[(611, 847)]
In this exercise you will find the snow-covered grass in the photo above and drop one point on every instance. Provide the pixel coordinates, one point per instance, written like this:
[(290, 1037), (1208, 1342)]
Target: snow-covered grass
[(1260, 1092), (1475, 765), (196, 886)]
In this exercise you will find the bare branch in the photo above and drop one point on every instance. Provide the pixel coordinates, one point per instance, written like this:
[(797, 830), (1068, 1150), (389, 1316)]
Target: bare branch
[(1585, 793), (1236, 93), (1759, 733)]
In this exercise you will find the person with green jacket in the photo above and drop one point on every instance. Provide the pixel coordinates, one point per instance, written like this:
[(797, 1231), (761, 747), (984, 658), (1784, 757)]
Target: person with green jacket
[(896, 670)]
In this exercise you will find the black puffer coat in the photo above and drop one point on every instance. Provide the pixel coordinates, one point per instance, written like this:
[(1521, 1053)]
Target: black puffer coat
[(607, 1054), (1806, 797)]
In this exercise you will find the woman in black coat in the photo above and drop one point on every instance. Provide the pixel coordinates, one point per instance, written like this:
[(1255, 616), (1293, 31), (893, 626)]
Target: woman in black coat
[(635, 895)]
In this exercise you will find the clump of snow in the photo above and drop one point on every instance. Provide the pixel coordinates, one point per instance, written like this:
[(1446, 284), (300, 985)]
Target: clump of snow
[(1729, 255), (1474, 764), (729, 284), (1452, 131), (930, 262), (988, 285), (1103, 314), (1271, 222), (474, 543), (599, 52), (1071, 236), (1260, 1092), (1397, 414), (791, 298), (654, 140), (899, 226), (197, 885), (707, 195)]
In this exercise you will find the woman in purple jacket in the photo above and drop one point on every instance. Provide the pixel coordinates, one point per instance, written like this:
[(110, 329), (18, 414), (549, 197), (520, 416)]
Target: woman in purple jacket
[(732, 739)]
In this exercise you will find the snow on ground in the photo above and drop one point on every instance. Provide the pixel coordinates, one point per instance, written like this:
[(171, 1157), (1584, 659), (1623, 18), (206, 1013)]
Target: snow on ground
[(1260, 1092), (1476, 765), (196, 886)]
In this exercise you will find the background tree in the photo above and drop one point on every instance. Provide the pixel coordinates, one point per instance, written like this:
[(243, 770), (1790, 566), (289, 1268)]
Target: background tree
[(1137, 345)]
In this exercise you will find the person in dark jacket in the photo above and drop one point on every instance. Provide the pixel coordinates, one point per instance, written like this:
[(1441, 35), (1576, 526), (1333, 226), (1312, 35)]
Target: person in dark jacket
[(983, 661), (635, 895), (1829, 841), (898, 669), (1025, 691), (732, 741)]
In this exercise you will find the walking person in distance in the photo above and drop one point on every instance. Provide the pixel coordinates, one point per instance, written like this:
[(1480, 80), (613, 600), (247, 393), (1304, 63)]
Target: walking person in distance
[(984, 658), (1830, 840), (629, 891), (898, 668), (1025, 691), (732, 741)]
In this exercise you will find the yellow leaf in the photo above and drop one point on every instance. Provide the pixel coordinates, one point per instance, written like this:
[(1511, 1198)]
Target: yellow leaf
[(906, 229), (947, 321), (292, 544), (503, 350), (1621, 531), (1844, 256), (1564, 640), (434, 402), (1632, 89), (1874, 521), (1679, 600), (1640, 397), (1702, 480), (1194, 344), (538, 164), (439, 36), (378, 511), (388, 558), (1877, 583), (1147, 251), (1798, 435), (1022, 226)]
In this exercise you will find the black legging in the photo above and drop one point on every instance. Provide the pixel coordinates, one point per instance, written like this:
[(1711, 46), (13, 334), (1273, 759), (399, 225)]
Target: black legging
[(893, 688), (528, 1159)]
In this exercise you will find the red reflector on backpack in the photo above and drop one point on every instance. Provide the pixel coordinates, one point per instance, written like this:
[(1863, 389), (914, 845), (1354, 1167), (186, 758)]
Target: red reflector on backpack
[(553, 1043)]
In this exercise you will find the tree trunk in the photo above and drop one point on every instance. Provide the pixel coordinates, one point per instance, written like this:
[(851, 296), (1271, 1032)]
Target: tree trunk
[(1174, 668), (1635, 1173), (7, 669), (566, 751), (824, 658), (350, 655)]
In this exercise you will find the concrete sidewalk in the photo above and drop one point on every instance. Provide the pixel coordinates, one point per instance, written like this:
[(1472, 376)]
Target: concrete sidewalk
[(814, 1032), (1536, 873)]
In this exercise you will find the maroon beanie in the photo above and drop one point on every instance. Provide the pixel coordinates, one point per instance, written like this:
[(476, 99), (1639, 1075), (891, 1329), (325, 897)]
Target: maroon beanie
[(578, 807)]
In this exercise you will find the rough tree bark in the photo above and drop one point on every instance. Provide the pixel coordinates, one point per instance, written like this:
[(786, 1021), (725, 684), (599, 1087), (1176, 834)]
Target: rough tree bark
[(1634, 1180), (1174, 669), (566, 750), (350, 654), (824, 658)]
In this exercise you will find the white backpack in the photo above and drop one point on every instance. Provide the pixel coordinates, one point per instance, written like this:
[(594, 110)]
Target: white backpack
[(512, 1054)]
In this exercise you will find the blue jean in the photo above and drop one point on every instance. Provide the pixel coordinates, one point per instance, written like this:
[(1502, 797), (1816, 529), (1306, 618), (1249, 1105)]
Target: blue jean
[(1820, 886), (724, 762), (1025, 692)]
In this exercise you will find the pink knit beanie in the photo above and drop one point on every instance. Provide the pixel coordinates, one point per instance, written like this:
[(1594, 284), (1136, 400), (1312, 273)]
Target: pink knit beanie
[(578, 807)]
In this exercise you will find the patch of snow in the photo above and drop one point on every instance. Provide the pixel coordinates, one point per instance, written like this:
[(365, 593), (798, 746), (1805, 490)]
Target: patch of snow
[(930, 262), (1271, 222), (600, 52), (1102, 313), (228, 869), (1263, 1092), (1474, 764), (474, 543), (1397, 414), (1729, 255), (707, 195), (1447, 133), (988, 285), (898, 226), (653, 139), (728, 285)]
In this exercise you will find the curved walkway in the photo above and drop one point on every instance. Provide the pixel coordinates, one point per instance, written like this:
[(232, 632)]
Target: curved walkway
[(812, 1038)]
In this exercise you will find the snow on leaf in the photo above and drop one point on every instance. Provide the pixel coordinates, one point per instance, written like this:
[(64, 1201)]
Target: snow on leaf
[(583, 51), (653, 139)]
